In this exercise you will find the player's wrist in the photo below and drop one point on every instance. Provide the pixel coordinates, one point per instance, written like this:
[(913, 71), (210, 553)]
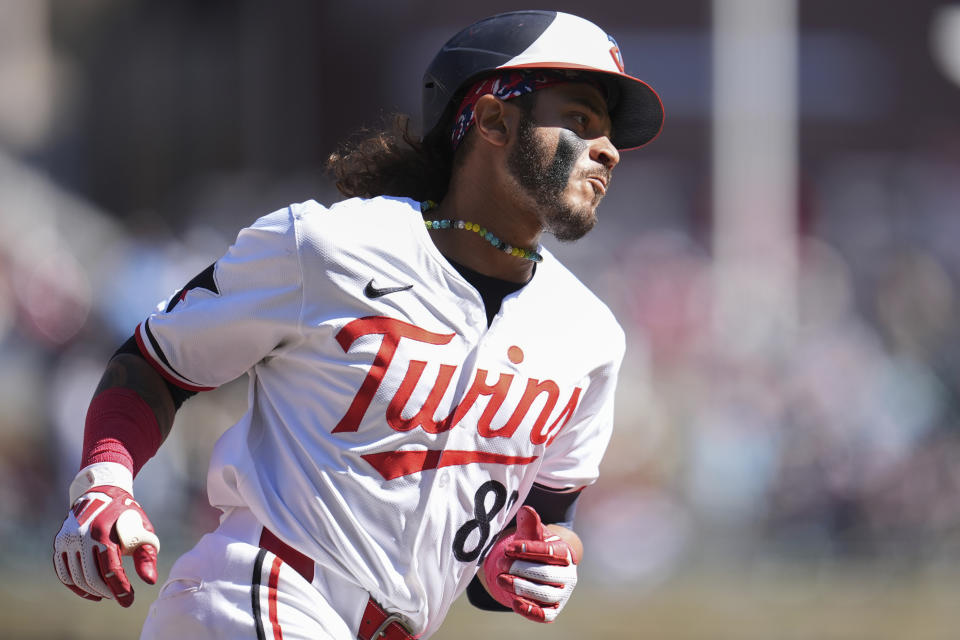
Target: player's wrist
[(122, 428), (98, 474)]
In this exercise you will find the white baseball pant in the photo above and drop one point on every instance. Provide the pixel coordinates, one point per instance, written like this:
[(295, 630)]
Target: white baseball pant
[(228, 586)]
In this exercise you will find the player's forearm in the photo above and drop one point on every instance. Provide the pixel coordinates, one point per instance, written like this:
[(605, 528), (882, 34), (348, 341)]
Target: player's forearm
[(130, 414), (126, 371)]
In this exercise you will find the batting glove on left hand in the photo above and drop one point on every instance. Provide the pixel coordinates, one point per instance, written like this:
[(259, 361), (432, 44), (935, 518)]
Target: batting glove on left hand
[(531, 571), (104, 523)]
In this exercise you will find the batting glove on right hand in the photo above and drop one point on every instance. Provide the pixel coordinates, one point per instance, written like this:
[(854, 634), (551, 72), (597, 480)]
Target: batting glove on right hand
[(531, 571), (104, 523)]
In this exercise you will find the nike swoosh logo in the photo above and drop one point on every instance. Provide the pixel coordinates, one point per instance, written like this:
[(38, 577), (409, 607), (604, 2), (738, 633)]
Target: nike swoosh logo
[(373, 292)]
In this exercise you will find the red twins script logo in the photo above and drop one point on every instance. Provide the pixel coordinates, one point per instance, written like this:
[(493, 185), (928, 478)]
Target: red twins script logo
[(393, 464)]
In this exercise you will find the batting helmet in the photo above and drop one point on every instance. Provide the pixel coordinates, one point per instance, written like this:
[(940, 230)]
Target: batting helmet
[(542, 40)]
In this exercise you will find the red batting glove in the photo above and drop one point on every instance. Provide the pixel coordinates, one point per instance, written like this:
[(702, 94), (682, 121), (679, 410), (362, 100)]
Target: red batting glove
[(104, 523), (531, 571)]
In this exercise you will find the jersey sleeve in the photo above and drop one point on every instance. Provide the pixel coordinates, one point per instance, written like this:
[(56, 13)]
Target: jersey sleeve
[(234, 313), (572, 460)]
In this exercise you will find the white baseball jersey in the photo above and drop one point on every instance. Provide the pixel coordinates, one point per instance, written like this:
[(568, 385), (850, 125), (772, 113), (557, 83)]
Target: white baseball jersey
[(390, 433)]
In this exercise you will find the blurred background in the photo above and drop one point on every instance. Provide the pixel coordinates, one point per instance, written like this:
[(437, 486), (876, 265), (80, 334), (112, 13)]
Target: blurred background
[(784, 259)]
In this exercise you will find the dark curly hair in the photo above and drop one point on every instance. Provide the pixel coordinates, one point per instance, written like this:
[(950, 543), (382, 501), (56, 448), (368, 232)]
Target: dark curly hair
[(395, 162)]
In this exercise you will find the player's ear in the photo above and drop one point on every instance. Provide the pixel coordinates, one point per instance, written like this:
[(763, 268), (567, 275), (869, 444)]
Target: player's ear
[(493, 120)]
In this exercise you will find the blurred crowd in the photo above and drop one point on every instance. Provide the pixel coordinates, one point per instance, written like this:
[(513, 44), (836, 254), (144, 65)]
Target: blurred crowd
[(840, 446)]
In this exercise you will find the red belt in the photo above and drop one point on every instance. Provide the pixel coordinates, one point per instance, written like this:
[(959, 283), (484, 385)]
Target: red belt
[(376, 624)]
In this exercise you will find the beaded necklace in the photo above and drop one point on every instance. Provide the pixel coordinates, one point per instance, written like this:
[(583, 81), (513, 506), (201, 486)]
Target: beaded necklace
[(497, 243)]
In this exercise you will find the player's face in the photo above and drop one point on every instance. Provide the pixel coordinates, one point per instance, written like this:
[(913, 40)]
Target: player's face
[(563, 157)]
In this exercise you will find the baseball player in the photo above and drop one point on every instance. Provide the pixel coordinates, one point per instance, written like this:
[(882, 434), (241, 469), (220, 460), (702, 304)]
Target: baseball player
[(422, 373)]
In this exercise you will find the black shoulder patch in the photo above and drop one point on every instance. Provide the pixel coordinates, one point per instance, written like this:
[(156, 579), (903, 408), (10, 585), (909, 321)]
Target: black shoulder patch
[(203, 280)]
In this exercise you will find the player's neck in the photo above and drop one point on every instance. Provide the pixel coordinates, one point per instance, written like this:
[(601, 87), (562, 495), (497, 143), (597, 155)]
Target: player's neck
[(482, 203)]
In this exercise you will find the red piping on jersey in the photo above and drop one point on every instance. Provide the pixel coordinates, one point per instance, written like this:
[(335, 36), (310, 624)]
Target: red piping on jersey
[(160, 368), (394, 464)]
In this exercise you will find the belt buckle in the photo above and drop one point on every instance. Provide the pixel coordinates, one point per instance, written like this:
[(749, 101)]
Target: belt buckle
[(382, 629)]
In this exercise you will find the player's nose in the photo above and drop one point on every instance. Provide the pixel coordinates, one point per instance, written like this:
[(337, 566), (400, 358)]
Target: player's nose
[(603, 152)]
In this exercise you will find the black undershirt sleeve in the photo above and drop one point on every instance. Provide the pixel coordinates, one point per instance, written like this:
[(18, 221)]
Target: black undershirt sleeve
[(178, 394), (204, 280)]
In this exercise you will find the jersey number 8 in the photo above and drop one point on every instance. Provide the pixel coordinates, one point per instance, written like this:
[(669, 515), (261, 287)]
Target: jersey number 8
[(481, 521)]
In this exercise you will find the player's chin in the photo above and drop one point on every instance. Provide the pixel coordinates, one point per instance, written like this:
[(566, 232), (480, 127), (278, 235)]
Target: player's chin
[(573, 223)]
